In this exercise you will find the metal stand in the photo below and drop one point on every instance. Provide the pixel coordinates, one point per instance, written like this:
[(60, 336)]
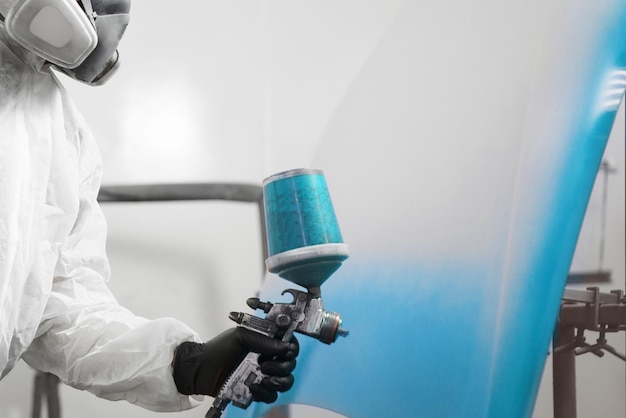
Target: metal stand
[(236, 192), (564, 372), (46, 389), (586, 310)]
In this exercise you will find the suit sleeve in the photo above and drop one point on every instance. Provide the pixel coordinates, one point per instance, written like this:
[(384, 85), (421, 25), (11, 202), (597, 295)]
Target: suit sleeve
[(85, 337)]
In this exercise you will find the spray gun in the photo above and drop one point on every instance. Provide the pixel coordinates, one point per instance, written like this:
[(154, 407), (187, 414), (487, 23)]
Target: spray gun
[(306, 248)]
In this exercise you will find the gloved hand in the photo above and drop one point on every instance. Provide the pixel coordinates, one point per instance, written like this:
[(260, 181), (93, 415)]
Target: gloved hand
[(202, 368)]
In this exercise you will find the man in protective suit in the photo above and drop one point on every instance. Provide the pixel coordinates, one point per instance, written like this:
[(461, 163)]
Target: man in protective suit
[(55, 308)]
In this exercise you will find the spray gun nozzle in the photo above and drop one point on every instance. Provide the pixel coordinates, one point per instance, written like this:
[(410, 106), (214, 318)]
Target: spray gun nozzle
[(236, 317)]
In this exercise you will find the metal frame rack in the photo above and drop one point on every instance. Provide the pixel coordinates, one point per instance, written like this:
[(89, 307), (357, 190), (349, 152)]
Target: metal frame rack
[(581, 311)]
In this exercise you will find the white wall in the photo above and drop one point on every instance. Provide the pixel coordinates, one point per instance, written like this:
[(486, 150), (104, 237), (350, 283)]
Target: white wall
[(235, 91)]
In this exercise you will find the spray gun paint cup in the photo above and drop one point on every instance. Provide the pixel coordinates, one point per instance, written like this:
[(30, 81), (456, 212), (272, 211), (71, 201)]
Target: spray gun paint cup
[(304, 241)]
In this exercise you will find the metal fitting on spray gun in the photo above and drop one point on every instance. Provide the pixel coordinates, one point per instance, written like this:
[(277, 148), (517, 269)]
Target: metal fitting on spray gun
[(305, 248)]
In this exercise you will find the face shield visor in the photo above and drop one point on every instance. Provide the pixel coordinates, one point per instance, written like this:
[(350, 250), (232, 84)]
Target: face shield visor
[(79, 37)]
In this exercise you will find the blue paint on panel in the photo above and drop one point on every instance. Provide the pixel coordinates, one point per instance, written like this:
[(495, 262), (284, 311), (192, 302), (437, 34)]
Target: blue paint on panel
[(525, 339), (457, 334)]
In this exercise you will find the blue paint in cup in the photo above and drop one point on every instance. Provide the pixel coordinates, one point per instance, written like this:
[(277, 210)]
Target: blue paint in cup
[(304, 241)]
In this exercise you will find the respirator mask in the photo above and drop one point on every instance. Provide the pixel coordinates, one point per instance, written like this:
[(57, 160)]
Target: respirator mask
[(78, 37)]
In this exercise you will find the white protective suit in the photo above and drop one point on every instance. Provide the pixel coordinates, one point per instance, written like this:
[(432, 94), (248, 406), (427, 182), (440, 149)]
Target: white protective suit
[(55, 308)]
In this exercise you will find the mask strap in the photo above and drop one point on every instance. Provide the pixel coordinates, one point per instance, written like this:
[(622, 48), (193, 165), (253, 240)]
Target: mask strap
[(86, 5), (5, 6)]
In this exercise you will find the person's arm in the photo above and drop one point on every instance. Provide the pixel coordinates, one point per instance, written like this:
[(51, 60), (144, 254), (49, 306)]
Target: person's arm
[(91, 342), (86, 338)]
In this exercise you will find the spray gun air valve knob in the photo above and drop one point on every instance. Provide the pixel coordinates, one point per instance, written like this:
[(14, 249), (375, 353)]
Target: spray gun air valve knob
[(255, 303)]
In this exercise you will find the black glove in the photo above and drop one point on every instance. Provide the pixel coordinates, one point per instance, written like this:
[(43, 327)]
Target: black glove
[(202, 368)]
